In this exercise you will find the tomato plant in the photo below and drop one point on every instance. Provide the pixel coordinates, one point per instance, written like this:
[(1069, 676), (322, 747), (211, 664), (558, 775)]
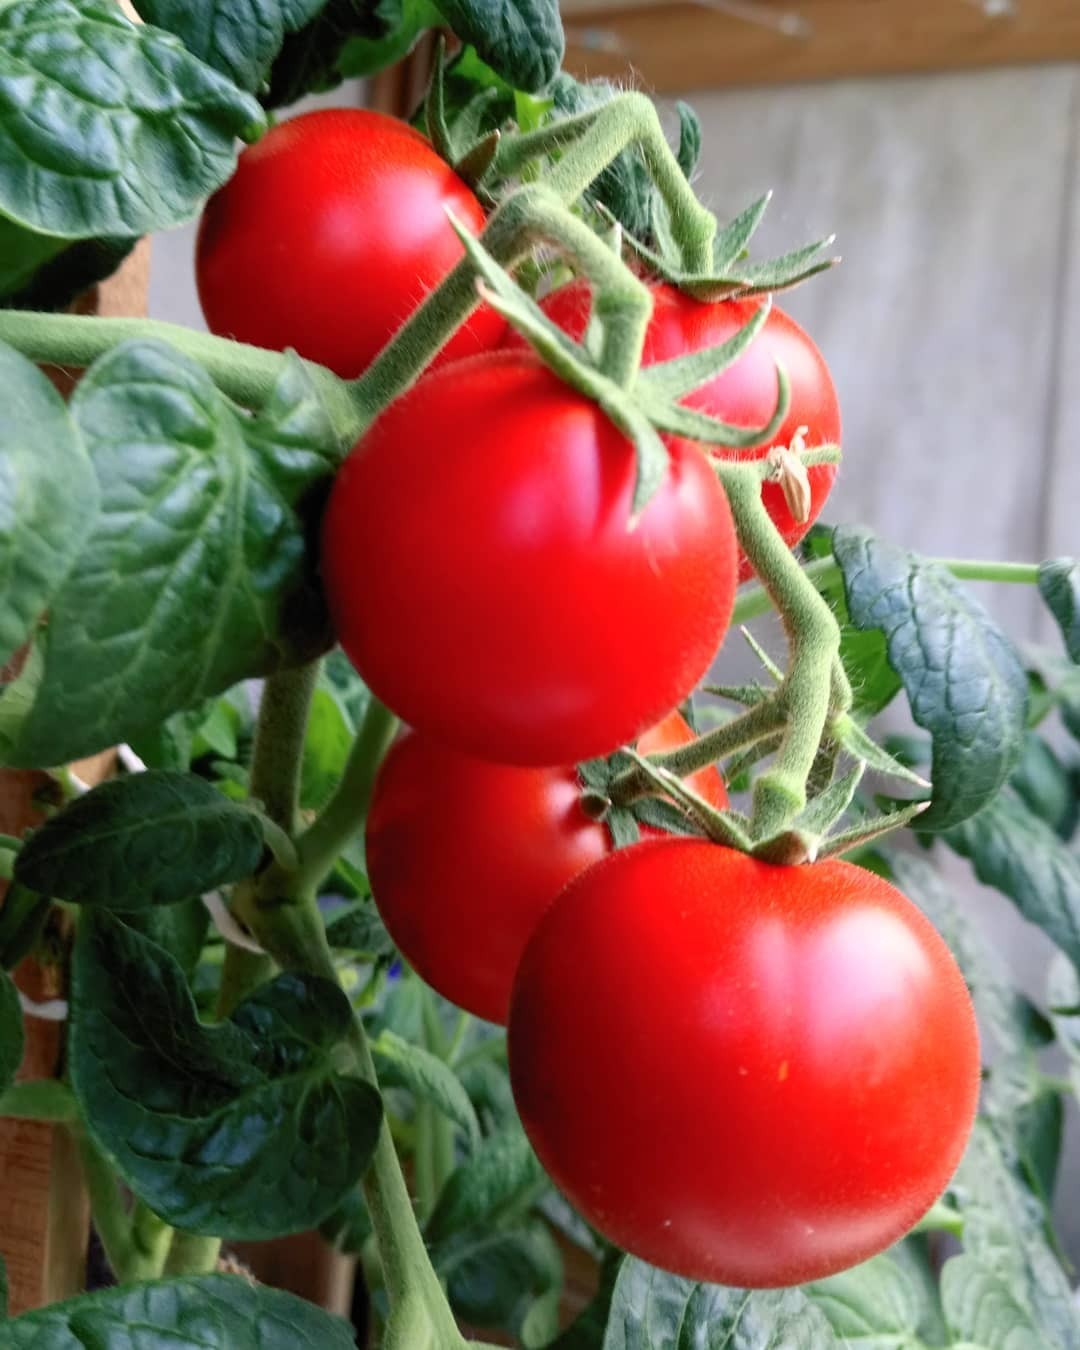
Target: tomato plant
[(792, 1094), (739, 1055), (745, 393), (465, 855), (329, 234), (506, 604)]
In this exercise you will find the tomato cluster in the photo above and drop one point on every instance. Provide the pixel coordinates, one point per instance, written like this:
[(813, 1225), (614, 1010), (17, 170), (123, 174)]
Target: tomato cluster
[(742, 1072)]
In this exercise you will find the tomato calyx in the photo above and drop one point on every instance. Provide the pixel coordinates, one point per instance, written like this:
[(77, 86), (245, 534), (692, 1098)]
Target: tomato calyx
[(605, 367), (731, 275)]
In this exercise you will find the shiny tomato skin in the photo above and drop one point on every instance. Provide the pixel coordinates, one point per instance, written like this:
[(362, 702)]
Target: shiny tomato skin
[(745, 393), (745, 1074), (464, 856), (484, 579), (329, 234)]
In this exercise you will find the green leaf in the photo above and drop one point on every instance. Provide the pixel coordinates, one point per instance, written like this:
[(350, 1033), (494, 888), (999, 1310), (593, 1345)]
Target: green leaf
[(210, 1312), (652, 1310), (689, 151), (153, 838), (1002, 1009), (521, 40), (1063, 995), (53, 271), (1004, 1232), (22, 253), (348, 1227), (1046, 786), (1059, 586), (243, 1130), (1018, 854), (240, 38), (199, 572), (327, 743), (108, 128), (12, 1036), (873, 1306), (180, 929), (399, 1063), (48, 496), (980, 1309), (359, 929), (312, 59), (501, 1174), (963, 678)]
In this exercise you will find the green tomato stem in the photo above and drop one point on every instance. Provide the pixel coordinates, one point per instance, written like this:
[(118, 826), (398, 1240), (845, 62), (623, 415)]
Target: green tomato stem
[(191, 1254), (597, 137), (823, 572), (136, 1244), (758, 722), (245, 374), (276, 761), (343, 815), (814, 639), (281, 910)]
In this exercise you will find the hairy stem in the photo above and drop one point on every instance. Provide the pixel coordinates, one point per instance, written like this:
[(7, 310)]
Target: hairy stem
[(343, 815), (246, 374), (814, 641), (748, 728)]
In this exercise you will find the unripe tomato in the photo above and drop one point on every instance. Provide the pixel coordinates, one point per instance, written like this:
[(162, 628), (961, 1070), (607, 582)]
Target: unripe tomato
[(464, 856), (746, 1074), (329, 234), (484, 579), (744, 394)]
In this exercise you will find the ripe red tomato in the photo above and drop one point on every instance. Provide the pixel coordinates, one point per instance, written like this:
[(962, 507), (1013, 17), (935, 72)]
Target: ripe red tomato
[(746, 1074), (464, 856), (483, 578), (745, 393), (329, 234)]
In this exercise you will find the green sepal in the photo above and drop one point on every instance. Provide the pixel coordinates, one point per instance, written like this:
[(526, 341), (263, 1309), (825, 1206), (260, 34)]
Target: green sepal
[(571, 363), (868, 830), (671, 380), (733, 239), (801, 841), (852, 738), (699, 426), (749, 695), (740, 279), (725, 827)]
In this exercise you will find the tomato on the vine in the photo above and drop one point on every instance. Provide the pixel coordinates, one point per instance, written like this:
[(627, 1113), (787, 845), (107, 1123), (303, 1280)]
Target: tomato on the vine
[(744, 394), (743, 1073), (465, 855), (484, 578), (329, 234)]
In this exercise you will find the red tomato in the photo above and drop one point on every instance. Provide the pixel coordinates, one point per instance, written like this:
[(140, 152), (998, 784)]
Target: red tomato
[(745, 393), (484, 580), (746, 1074), (328, 236), (464, 856)]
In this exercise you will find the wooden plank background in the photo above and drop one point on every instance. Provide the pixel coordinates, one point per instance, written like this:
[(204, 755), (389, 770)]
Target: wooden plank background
[(677, 45)]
